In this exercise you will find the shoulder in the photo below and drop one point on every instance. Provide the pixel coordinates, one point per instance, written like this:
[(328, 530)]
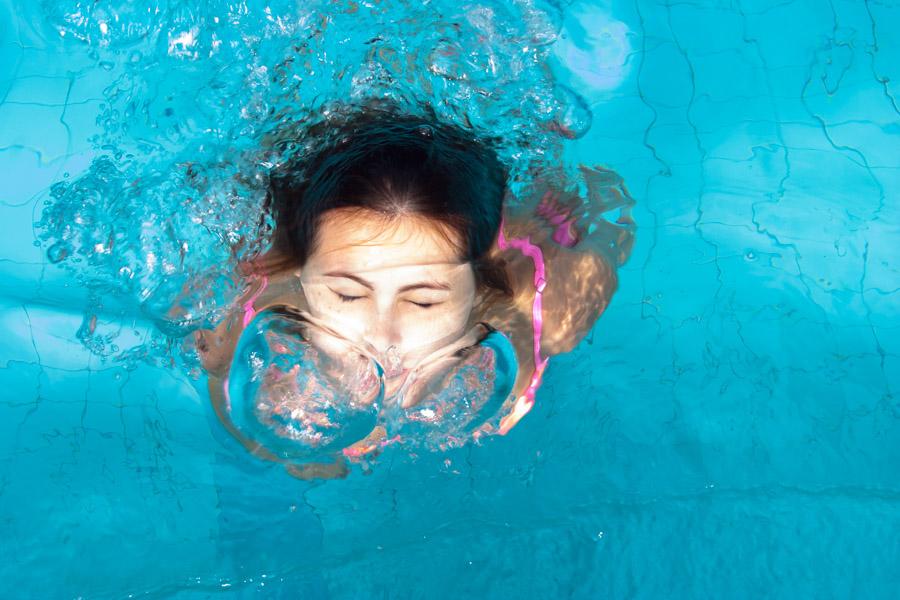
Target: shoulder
[(579, 285), (579, 288)]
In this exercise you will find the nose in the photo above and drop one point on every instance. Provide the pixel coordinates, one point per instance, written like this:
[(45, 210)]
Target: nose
[(383, 333)]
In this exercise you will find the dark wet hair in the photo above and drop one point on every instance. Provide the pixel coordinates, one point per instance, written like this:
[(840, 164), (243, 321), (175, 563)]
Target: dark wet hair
[(395, 164)]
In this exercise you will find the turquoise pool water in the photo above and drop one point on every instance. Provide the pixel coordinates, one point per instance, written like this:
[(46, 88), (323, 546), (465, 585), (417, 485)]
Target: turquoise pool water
[(730, 429)]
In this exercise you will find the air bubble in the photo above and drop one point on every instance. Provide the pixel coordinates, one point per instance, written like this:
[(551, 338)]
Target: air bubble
[(58, 252), (573, 117)]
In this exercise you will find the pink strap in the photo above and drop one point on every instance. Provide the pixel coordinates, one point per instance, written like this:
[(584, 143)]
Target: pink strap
[(524, 402), (249, 313), (249, 309)]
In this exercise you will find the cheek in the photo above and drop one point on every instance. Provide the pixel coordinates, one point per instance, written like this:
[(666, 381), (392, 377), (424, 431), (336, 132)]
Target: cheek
[(348, 316), (422, 326)]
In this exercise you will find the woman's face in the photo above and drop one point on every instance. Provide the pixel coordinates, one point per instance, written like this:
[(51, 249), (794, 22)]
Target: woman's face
[(395, 282)]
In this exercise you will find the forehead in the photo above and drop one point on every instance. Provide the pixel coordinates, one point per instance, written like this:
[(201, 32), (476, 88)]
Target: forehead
[(362, 240)]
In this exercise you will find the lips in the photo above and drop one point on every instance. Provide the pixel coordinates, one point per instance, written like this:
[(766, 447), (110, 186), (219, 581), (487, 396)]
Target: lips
[(396, 373), (393, 383)]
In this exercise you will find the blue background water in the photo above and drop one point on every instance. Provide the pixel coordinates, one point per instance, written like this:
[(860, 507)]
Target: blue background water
[(730, 429)]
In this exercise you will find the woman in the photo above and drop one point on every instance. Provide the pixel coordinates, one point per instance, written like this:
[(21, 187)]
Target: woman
[(390, 243)]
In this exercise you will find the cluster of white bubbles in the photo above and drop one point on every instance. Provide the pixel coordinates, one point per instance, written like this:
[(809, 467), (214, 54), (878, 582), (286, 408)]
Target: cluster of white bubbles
[(201, 94)]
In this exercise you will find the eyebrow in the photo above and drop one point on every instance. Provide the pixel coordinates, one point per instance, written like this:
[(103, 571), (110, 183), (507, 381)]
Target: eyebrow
[(434, 285)]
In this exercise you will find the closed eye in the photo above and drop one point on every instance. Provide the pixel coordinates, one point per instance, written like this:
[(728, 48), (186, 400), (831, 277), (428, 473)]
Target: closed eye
[(425, 304), (347, 298)]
